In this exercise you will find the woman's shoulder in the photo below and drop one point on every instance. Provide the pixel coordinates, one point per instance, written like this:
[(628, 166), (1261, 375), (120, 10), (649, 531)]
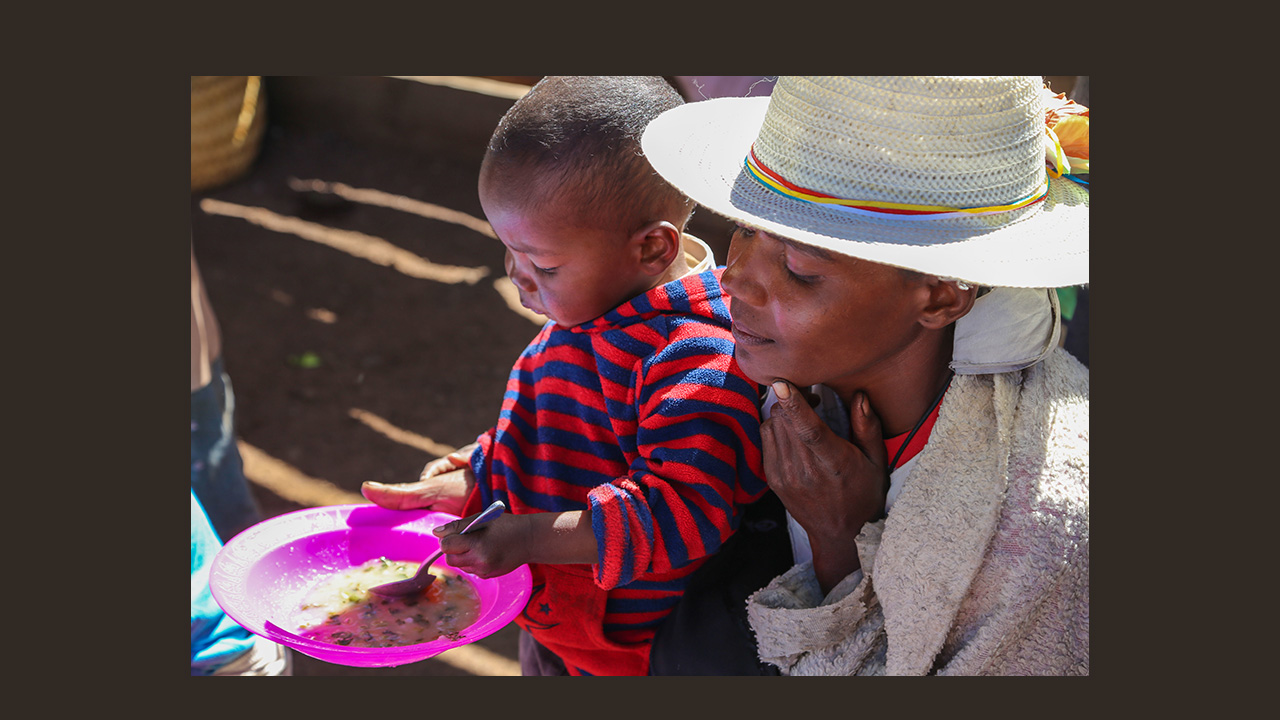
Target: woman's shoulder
[(1062, 373)]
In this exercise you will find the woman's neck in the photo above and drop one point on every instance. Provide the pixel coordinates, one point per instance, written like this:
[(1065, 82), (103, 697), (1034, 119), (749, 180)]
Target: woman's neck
[(904, 389)]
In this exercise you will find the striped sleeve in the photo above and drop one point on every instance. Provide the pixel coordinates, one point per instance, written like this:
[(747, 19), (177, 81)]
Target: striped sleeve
[(481, 462), (697, 460)]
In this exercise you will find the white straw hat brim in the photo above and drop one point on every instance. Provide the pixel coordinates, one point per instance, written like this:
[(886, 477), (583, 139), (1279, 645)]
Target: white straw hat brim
[(700, 148)]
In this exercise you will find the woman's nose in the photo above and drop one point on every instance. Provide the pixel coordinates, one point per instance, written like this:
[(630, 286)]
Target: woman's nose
[(740, 279), (519, 277)]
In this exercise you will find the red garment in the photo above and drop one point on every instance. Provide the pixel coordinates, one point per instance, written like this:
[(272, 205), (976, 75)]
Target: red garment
[(918, 441)]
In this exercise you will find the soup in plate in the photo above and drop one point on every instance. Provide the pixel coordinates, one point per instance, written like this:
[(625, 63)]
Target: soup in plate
[(340, 609)]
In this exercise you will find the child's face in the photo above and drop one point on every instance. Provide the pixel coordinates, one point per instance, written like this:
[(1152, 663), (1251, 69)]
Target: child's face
[(570, 275)]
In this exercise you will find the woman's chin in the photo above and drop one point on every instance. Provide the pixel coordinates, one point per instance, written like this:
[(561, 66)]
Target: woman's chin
[(753, 368)]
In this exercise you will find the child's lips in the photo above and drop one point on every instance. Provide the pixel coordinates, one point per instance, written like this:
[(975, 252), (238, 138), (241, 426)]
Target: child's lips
[(530, 306)]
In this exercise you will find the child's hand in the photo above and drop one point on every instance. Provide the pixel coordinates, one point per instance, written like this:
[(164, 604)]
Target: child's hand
[(445, 492), (495, 549)]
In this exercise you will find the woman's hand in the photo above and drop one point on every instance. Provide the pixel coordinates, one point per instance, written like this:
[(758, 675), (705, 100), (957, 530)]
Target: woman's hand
[(445, 492), (832, 487), (443, 485), (455, 460)]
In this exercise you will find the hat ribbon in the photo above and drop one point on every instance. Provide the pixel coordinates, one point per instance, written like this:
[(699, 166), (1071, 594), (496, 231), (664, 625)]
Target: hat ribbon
[(902, 211)]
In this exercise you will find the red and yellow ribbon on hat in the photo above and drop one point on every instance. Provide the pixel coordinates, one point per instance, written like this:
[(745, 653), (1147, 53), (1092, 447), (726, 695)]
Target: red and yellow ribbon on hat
[(1066, 155), (903, 211)]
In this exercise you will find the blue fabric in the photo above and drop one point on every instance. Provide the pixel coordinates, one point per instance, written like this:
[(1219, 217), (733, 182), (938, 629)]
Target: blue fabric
[(217, 473), (215, 638)]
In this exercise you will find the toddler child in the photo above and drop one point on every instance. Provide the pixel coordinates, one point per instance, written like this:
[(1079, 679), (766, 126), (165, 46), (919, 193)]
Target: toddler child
[(628, 442)]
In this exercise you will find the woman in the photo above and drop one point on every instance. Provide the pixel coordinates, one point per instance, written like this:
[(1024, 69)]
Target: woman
[(891, 280)]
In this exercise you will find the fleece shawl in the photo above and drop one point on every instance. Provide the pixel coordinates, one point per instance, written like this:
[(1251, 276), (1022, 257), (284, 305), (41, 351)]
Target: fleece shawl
[(981, 567)]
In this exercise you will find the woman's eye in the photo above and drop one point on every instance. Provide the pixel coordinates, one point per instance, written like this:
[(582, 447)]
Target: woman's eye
[(803, 279), (743, 230)]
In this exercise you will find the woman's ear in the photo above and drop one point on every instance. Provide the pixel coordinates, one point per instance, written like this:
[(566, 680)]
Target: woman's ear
[(658, 245), (947, 302)]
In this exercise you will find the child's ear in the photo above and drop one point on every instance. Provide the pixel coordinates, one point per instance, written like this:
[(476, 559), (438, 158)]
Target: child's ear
[(658, 244), (947, 302)]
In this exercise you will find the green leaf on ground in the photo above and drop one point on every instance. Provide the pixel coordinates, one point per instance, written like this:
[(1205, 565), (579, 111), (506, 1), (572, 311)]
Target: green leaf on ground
[(306, 360)]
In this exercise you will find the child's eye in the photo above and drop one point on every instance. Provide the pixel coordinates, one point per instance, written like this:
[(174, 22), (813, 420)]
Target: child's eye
[(545, 271)]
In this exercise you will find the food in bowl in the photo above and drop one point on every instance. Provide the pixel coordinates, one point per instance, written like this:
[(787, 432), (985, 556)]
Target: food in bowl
[(340, 610)]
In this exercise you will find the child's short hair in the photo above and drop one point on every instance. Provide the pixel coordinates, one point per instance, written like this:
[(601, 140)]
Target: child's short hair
[(577, 138)]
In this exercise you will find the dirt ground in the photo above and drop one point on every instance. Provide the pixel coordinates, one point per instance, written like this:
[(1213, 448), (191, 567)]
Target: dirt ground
[(354, 355)]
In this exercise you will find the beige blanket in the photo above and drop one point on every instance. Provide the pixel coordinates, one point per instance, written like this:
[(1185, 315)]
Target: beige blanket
[(982, 567)]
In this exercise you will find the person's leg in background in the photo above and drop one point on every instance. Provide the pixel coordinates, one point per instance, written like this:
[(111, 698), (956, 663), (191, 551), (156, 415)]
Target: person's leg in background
[(218, 645), (217, 471)]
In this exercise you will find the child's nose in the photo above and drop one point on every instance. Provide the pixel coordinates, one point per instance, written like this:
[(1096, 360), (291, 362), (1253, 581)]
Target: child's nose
[(520, 278)]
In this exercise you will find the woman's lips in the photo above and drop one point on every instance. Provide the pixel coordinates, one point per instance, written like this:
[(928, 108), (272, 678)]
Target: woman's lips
[(746, 337)]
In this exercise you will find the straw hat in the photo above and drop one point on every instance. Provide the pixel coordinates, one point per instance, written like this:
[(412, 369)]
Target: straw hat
[(943, 175)]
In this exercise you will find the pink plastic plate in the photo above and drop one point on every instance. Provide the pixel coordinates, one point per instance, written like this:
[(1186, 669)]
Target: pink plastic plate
[(261, 576)]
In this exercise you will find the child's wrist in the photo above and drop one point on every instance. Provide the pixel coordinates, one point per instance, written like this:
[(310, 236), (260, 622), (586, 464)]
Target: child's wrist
[(561, 538)]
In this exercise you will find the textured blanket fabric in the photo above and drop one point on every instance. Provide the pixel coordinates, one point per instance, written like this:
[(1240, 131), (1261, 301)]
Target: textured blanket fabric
[(982, 567)]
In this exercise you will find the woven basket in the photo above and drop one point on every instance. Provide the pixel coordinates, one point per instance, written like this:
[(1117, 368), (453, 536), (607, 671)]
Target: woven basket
[(228, 119)]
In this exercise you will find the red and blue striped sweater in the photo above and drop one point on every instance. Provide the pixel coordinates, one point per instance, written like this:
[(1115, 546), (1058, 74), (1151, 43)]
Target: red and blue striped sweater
[(643, 417)]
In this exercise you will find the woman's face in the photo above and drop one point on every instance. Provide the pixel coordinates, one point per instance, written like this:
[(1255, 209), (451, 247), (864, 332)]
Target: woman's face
[(811, 316)]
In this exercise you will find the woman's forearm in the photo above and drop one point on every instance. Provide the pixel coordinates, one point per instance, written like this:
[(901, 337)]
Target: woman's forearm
[(833, 561)]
